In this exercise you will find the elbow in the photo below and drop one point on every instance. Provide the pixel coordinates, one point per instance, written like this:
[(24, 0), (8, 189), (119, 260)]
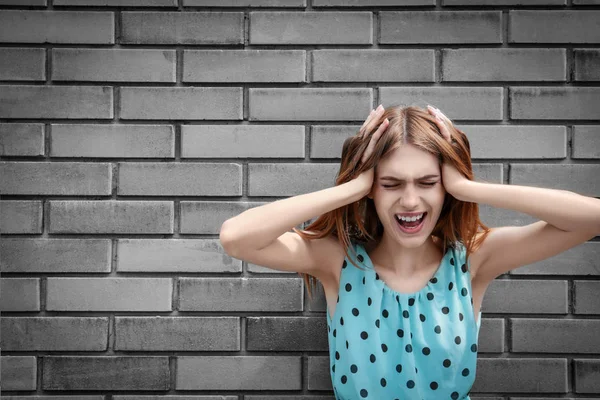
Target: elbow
[(226, 238)]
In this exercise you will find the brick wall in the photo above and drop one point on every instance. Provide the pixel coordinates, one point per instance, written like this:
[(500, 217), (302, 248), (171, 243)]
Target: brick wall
[(131, 129)]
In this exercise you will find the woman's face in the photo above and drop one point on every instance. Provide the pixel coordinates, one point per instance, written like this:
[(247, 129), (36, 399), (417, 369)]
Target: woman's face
[(408, 180)]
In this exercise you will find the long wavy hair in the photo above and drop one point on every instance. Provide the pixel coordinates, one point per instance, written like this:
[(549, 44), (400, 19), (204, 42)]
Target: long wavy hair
[(358, 222)]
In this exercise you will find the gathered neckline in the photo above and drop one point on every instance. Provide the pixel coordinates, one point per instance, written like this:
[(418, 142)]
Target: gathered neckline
[(395, 292)]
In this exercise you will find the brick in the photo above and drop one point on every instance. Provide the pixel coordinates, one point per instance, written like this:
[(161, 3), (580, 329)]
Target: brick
[(109, 294), (585, 297), (308, 27), (170, 103), (505, 64), (20, 26), (585, 2), (18, 373), (22, 64), (287, 334), (455, 102), (244, 66), (174, 255), (421, 27), (21, 216), (193, 179), (327, 140), (297, 104), (586, 141), (55, 334), (527, 3), (371, 3), (55, 178), (244, 3), (587, 64), (117, 65), (23, 3), (240, 294), (578, 178), (209, 28), (117, 3), (81, 102), (529, 375), (111, 216), (554, 102), (177, 333), (543, 335), (19, 294), (539, 26), (579, 260), (366, 65), (106, 373), (21, 139), (23, 255), (587, 376), (242, 141), (250, 372), (319, 376), (206, 217), (284, 179), (526, 297), (112, 141), (491, 336)]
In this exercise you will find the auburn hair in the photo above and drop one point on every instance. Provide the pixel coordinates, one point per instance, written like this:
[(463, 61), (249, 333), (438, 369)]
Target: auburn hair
[(358, 222)]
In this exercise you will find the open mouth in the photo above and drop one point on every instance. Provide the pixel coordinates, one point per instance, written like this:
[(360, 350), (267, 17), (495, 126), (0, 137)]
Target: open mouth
[(411, 226)]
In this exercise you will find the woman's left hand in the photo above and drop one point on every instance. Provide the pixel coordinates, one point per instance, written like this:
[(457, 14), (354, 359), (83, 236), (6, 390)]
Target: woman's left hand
[(452, 179)]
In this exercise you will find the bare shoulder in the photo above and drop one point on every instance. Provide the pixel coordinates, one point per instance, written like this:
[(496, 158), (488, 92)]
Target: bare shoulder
[(331, 257)]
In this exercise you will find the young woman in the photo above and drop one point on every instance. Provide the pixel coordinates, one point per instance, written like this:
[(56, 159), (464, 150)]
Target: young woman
[(402, 255)]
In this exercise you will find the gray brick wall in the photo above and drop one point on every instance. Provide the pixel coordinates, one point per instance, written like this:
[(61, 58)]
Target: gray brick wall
[(131, 129)]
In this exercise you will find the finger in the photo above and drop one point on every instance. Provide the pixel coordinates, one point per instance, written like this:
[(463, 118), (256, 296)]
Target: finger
[(374, 120), (374, 139), (366, 121)]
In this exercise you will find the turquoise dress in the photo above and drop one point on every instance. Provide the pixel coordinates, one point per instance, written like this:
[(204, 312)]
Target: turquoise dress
[(389, 345)]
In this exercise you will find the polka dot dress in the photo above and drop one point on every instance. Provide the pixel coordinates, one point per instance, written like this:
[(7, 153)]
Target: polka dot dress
[(388, 345)]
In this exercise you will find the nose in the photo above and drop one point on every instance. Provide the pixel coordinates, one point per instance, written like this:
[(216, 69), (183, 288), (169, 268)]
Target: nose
[(410, 198)]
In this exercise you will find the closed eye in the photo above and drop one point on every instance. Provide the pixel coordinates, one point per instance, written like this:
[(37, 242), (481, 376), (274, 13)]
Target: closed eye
[(424, 183)]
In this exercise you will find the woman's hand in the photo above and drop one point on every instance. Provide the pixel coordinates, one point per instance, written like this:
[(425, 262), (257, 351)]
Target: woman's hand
[(367, 177), (452, 179)]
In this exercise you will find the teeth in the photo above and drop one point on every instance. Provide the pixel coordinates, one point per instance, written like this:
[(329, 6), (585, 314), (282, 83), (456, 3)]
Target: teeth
[(409, 219)]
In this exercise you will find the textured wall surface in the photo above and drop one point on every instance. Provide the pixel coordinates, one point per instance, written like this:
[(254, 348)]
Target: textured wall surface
[(131, 129)]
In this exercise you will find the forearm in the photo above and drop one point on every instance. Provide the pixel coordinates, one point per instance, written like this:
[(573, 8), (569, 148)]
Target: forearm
[(566, 210), (258, 227)]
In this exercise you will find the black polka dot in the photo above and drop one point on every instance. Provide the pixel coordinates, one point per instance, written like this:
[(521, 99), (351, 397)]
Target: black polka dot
[(363, 393), (474, 348), (360, 258), (346, 344), (416, 370), (344, 379), (363, 280), (355, 312), (450, 286), (385, 313), (376, 276), (369, 301), (426, 351), (338, 299), (445, 310), (400, 333), (377, 322), (464, 268), (447, 363), (345, 264), (454, 395), (461, 316), (397, 299), (422, 317), (341, 320), (433, 280), (457, 340), (405, 314), (433, 385), (373, 358), (465, 372), (437, 329), (408, 348), (333, 368), (399, 368), (353, 368), (411, 301), (384, 347), (334, 332), (464, 291), (411, 335), (364, 335), (383, 382), (348, 287), (430, 296), (410, 384), (451, 260), (337, 355)]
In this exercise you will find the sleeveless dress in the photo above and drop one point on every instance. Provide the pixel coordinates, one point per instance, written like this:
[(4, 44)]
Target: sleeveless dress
[(389, 345)]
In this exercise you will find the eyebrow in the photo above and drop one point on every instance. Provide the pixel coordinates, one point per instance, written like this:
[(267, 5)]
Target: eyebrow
[(391, 178)]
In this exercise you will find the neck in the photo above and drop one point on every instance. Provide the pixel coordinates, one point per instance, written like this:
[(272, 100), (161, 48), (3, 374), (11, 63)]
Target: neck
[(406, 261)]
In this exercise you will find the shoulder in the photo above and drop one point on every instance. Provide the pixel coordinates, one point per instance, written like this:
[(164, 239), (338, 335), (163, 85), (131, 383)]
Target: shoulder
[(330, 253)]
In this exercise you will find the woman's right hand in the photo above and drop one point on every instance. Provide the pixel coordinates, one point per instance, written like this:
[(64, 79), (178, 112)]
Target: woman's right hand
[(366, 178)]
